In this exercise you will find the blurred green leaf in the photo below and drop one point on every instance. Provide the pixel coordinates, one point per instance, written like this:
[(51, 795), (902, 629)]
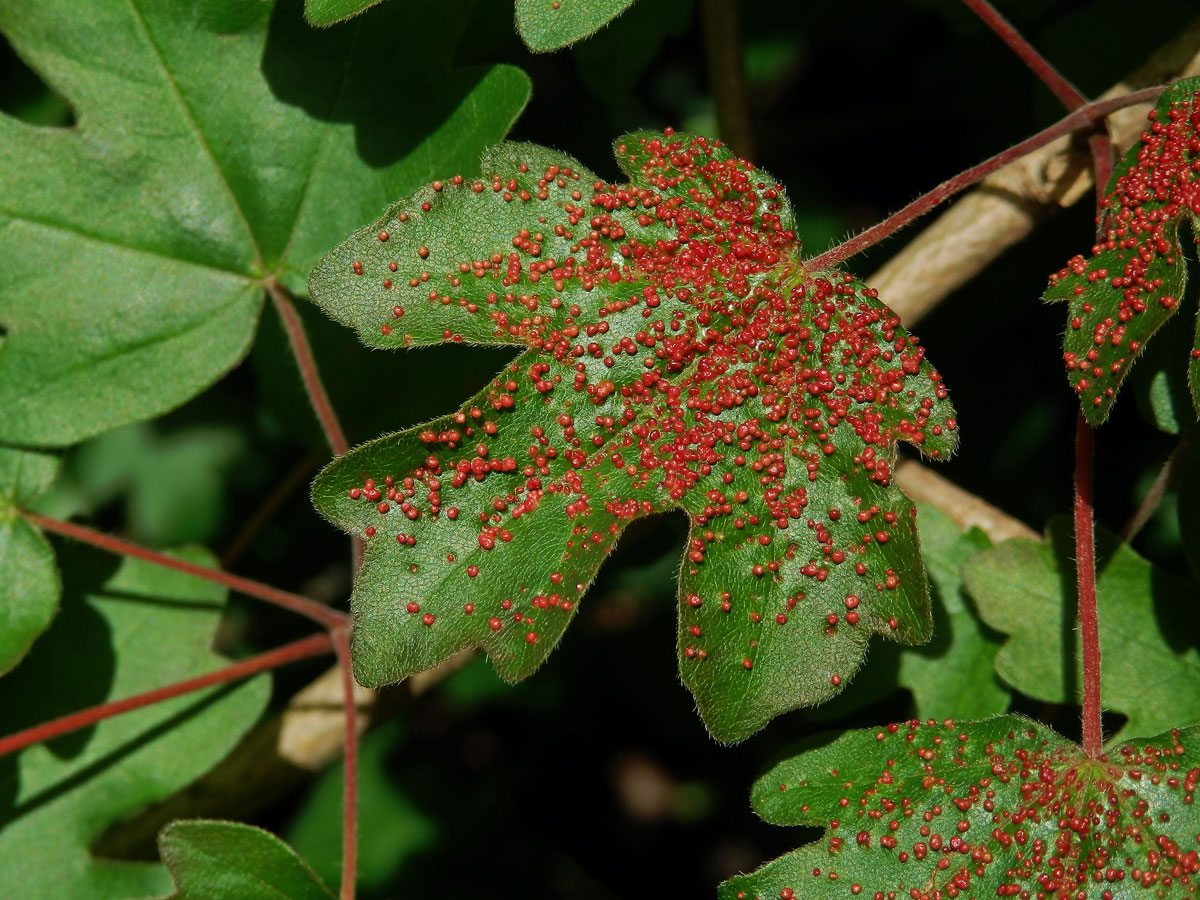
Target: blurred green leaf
[(330, 12), (221, 145), (125, 627), (391, 828), (954, 675), (29, 587), (1026, 589), (212, 860)]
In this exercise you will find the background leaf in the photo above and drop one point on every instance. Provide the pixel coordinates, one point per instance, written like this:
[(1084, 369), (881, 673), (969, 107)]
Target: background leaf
[(954, 674), (1026, 589), (212, 860), (28, 575), (125, 627), (939, 810), (215, 147)]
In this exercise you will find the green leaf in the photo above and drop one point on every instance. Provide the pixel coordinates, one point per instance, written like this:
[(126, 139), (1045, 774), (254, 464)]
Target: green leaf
[(676, 355), (1003, 807), (212, 860), (1135, 278), (954, 674), (125, 627), (552, 24), (330, 12), (27, 570), (1026, 589), (221, 147)]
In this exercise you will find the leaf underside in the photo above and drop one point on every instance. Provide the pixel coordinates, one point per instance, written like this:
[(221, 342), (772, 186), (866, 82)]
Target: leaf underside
[(998, 808), (1026, 590), (1133, 282), (675, 355), (220, 146)]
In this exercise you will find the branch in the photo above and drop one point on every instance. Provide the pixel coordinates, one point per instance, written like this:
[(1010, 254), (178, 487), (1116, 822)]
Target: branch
[(273, 659), (1067, 94), (1085, 579), (318, 612), (1162, 483), (1082, 118), (924, 485), (1003, 210), (341, 642)]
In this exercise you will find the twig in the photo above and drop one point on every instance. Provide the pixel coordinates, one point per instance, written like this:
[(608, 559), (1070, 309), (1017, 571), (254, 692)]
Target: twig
[(318, 612), (1083, 117), (1085, 576), (727, 74), (350, 769), (1066, 92), (307, 364), (1162, 483), (273, 659)]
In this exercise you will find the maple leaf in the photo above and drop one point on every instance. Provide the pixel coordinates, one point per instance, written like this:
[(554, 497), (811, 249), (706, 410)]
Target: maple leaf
[(1134, 280), (676, 355), (998, 808)]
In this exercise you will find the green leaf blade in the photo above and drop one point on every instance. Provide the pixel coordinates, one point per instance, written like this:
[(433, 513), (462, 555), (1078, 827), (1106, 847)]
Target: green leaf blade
[(676, 356), (27, 567), (547, 25), (1134, 280), (941, 810), (212, 156), (213, 860), (131, 627)]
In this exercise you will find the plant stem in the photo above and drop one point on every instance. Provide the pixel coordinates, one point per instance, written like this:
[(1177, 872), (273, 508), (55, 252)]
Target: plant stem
[(1083, 117), (341, 643), (1085, 576), (307, 364), (724, 52), (272, 659), (1162, 483), (318, 612), (1066, 92)]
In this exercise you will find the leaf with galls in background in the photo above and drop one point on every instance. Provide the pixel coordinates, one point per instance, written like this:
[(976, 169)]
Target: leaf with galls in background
[(674, 354), (1133, 281), (998, 808)]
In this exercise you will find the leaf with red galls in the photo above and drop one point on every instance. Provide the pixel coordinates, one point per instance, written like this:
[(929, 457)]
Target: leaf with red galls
[(998, 808), (675, 354), (1134, 280)]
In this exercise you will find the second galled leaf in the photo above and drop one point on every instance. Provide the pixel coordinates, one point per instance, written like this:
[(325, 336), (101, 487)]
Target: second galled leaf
[(675, 354)]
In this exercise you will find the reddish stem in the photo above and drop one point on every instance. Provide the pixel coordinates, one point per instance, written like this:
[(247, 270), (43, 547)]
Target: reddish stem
[(272, 659), (341, 643), (307, 364), (1082, 118), (318, 612), (1066, 92), (1085, 575)]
